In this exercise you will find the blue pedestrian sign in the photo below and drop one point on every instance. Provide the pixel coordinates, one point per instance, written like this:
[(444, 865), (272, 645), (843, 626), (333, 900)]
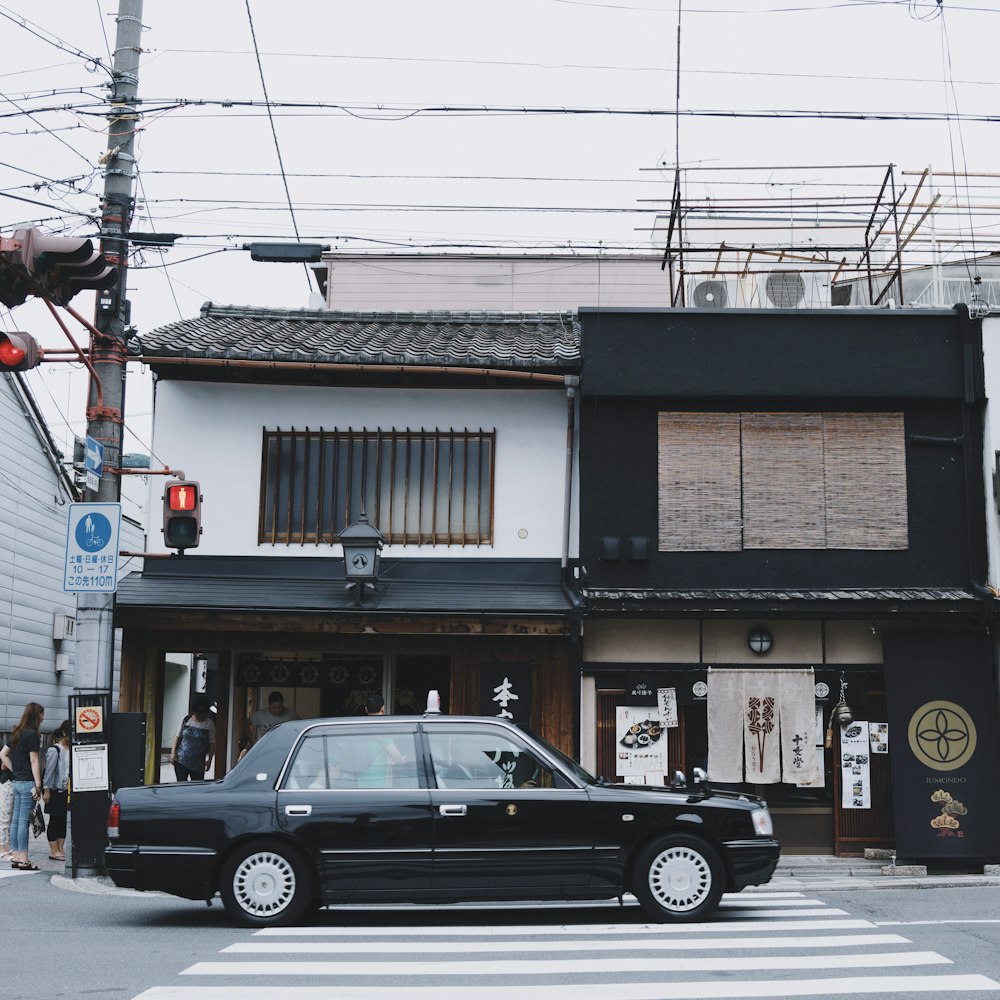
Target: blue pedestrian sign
[(93, 463), (92, 532)]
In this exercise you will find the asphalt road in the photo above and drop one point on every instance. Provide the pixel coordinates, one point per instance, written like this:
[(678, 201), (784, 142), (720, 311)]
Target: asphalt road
[(57, 940)]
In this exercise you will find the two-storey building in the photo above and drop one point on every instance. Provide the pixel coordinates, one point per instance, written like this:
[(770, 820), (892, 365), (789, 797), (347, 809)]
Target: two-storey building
[(452, 433), (773, 505)]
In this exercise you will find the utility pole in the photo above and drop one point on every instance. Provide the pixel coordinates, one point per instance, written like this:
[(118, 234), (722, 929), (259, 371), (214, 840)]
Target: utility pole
[(106, 404)]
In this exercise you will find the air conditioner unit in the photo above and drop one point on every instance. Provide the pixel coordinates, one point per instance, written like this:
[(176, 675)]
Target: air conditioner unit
[(710, 293), (792, 289)]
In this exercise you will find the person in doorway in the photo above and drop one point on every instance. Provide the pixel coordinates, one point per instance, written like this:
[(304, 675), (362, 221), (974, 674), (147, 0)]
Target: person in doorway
[(21, 757), (265, 719), (194, 744), (55, 783)]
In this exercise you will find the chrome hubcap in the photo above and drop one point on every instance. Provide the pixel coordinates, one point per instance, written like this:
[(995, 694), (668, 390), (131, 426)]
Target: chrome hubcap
[(264, 884), (680, 879)]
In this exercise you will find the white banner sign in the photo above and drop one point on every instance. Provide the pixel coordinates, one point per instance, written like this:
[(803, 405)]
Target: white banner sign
[(855, 770), (666, 699)]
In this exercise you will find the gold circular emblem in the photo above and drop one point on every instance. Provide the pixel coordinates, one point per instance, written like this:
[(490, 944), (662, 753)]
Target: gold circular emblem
[(511, 809), (942, 735)]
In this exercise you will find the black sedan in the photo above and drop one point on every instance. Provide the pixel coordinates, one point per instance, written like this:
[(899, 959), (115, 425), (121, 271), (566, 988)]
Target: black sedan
[(432, 808)]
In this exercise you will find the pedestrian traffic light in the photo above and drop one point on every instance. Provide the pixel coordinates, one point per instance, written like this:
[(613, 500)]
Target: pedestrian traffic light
[(181, 514), (19, 352), (50, 267)]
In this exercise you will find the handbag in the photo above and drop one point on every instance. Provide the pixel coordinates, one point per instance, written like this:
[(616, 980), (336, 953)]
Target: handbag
[(5, 775), (37, 820)]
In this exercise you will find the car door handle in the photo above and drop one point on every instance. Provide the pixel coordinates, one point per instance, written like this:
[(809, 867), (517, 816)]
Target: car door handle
[(298, 810), (453, 810)]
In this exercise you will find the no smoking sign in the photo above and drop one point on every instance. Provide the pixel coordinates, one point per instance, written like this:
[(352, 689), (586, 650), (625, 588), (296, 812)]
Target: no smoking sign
[(90, 719)]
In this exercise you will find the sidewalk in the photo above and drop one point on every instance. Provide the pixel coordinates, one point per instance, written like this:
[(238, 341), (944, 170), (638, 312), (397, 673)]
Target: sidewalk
[(814, 873)]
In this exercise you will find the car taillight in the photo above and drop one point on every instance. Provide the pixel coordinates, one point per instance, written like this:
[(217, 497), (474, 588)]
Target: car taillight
[(114, 815), (762, 822)]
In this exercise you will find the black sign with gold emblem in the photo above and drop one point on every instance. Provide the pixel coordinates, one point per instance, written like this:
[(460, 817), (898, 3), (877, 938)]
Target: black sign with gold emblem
[(943, 747)]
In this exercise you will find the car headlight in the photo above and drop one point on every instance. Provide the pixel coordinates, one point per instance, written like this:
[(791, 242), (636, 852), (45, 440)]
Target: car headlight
[(762, 822)]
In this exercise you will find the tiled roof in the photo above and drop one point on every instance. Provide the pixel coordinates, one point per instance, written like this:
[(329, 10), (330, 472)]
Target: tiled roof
[(275, 584), (516, 341), (908, 594)]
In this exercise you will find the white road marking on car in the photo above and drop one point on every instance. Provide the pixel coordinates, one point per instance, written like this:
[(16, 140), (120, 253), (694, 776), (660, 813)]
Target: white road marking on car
[(508, 946), (536, 930), (736, 989), (535, 967)]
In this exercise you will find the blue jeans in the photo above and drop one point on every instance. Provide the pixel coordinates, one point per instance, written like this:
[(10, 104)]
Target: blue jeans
[(23, 803)]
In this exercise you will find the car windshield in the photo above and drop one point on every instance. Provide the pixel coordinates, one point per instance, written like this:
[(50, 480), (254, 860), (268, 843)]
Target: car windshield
[(580, 773)]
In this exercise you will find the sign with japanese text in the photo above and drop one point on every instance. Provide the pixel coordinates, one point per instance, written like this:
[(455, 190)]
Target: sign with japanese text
[(855, 767), (92, 531), (666, 700), (505, 691), (90, 768), (641, 745)]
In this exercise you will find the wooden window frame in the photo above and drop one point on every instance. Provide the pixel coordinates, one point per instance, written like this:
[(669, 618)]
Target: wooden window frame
[(418, 487)]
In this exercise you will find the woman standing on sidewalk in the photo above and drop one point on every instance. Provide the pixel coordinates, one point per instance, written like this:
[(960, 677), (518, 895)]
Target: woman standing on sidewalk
[(55, 782), (21, 756)]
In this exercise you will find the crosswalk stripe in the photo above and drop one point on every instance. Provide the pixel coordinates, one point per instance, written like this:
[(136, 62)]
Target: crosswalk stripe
[(509, 967), (732, 902), (507, 946), (544, 930), (756, 914), (737, 990)]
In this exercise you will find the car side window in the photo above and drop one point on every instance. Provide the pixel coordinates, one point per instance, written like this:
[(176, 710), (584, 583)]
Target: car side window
[(485, 760), (357, 759)]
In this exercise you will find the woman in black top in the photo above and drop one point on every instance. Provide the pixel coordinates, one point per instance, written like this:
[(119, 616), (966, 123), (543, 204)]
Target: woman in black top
[(21, 757)]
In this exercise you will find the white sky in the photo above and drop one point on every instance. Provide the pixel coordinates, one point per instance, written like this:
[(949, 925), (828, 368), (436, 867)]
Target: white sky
[(387, 59)]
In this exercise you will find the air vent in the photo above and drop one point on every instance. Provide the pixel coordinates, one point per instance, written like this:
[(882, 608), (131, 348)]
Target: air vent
[(785, 289), (709, 295)]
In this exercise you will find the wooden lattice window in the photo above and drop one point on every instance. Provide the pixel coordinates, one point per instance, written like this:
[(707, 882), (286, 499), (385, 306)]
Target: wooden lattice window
[(416, 486), (730, 481)]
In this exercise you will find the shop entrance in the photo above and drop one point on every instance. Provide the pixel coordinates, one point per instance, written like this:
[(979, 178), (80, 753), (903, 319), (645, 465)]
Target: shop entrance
[(413, 678)]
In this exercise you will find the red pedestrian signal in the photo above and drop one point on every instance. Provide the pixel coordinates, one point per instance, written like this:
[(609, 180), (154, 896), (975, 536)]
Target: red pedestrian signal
[(19, 352), (181, 514)]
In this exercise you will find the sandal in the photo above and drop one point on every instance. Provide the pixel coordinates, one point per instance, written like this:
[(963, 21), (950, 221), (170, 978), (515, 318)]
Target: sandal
[(26, 866), (57, 857)]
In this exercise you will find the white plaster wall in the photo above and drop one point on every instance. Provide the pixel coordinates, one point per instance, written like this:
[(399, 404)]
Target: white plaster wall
[(641, 641), (991, 440), (213, 432)]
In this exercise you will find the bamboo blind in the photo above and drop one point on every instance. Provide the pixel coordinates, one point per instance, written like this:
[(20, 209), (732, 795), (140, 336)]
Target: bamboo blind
[(865, 471), (728, 481), (699, 482), (783, 497)]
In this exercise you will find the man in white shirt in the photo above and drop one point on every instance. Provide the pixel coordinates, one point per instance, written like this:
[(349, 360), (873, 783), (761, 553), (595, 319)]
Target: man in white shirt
[(265, 719)]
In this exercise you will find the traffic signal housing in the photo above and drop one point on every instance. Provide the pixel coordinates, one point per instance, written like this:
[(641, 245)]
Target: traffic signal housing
[(181, 514), (19, 352), (51, 267)]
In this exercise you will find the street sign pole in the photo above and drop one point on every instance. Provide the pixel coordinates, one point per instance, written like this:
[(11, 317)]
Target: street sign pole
[(106, 399)]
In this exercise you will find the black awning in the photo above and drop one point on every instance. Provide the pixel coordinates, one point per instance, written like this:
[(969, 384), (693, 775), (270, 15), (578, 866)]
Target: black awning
[(282, 584)]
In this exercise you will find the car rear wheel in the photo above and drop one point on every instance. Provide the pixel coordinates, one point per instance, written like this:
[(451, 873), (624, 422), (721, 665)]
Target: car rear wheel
[(265, 883), (678, 878)]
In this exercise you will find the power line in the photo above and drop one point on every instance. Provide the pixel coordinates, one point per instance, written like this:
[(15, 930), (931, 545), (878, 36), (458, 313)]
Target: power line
[(274, 133)]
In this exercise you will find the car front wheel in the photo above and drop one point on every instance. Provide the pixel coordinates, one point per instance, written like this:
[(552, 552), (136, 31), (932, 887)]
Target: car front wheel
[(264, 884), (678, 878)]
